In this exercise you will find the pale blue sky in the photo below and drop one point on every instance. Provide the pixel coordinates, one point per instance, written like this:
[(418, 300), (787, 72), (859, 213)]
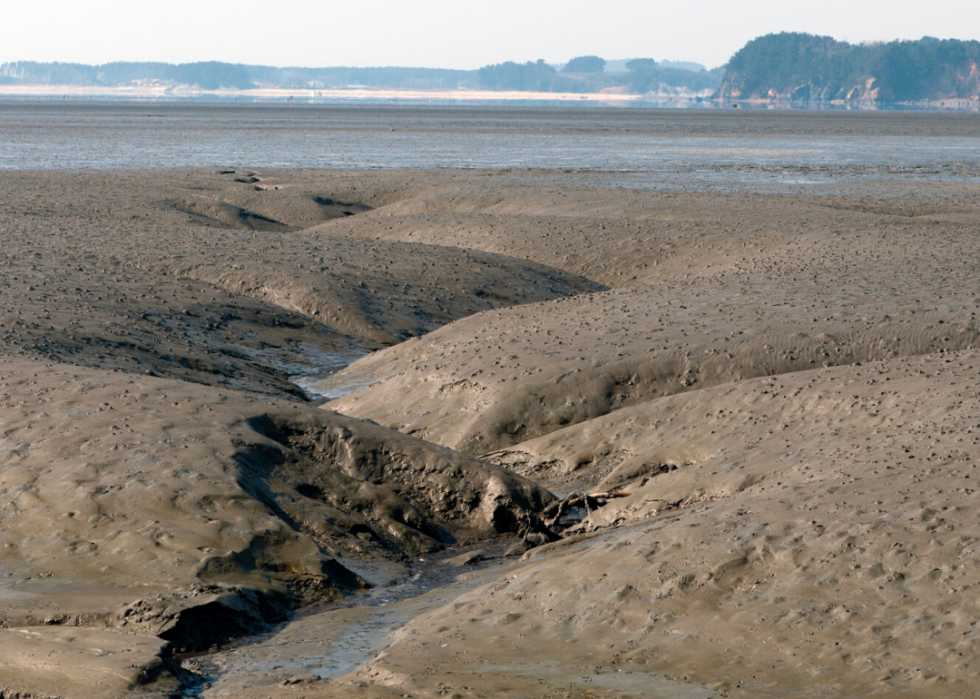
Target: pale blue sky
[(448, 33)]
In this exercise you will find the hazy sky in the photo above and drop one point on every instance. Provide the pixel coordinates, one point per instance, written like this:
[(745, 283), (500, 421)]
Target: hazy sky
[(448, 33)]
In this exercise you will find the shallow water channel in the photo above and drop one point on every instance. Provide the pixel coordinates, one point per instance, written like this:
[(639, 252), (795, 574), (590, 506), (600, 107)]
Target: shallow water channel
[(335, 639)]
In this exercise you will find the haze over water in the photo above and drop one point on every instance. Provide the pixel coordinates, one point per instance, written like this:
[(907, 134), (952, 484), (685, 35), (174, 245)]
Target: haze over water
[(712, 147)]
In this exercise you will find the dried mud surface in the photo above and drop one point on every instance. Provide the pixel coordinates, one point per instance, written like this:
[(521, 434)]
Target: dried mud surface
[(782, 390)]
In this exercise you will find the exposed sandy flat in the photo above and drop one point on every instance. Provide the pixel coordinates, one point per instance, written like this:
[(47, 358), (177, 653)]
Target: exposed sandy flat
[(98, 664), (717, 289), (816, 538), (782, 387)]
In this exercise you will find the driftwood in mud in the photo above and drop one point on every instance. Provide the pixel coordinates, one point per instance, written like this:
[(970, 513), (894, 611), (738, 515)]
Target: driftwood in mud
[(590, 501), (538, 530)]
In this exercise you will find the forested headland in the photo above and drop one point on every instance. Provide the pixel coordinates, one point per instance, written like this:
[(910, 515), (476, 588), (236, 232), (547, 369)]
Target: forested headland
[(798, 67)]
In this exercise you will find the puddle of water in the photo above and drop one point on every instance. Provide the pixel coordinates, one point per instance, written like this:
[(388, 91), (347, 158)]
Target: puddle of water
[(334, 387), (321, 366), (304, 362), (326, 645), (305, 365)]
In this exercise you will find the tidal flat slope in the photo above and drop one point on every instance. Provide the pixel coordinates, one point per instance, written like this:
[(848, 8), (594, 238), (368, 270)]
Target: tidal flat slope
[(769, 399), (716, 289)]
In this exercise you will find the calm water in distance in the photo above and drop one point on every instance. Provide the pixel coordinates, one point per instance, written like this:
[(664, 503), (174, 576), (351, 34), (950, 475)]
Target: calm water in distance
[(650, 145)]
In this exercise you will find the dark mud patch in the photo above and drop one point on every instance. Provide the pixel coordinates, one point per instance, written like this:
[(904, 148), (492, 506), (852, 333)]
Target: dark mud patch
[(223, 215), (334, 208), (227, 617)]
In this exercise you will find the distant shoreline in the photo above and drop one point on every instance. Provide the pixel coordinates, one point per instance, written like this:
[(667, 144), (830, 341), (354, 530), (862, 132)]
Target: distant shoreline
[(286, 94), (186, 93)]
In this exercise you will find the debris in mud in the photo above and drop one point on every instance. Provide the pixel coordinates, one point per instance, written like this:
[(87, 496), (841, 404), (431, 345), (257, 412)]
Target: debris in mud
[(548, 526), (589, 501), (301, 679)]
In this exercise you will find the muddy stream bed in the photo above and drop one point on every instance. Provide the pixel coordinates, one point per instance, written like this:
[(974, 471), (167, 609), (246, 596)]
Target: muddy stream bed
[(334, 639), (331, 640)]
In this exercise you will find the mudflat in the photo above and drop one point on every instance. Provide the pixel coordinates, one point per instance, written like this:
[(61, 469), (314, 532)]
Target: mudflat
[(524, 433)]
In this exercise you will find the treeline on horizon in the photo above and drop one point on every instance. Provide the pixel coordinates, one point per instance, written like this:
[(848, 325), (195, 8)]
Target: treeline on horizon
[(808, 68), (587, 74), (213, 75), (581, 75), (788, 66)]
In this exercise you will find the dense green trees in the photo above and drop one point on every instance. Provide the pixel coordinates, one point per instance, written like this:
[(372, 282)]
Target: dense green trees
[(31, 72), (530, 76), (585, 64), (211, 75), (641, 64), (646, 75), (803, 66), (580, 76), (926, 69)]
